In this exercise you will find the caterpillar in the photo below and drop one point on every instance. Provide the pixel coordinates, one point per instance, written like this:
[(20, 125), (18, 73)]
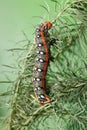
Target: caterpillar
[(41, 61)]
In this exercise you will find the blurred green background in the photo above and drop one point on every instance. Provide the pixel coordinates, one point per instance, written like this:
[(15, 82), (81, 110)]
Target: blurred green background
[(15, 17)]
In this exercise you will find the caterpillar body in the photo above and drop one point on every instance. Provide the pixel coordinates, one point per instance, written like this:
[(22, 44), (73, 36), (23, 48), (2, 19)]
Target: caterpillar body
[(41, 61)]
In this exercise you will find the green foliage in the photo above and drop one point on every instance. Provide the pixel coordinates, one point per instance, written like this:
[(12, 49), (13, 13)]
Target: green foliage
[(66, 77)]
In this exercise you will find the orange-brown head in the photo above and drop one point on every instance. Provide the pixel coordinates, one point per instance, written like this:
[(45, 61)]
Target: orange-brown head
[(48, 24)]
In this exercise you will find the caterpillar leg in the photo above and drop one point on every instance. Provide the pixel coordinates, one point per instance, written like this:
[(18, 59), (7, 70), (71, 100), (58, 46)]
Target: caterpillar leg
[(53, 41), (51, 58), (46, 99)]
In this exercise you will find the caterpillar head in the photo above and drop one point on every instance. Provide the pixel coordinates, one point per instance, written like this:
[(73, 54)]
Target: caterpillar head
[(47, 25)]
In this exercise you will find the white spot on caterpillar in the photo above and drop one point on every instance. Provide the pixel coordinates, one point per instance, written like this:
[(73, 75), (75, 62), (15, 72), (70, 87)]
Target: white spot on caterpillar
[(34, 79), (38, 97), (39, 88), (41, 60), (35, 89), (35, 68), (37, 30), (39, 70), (39, 44), (38, 52), (41, 52), (38, 36), (37, 59), (42, 96), (38, 79)]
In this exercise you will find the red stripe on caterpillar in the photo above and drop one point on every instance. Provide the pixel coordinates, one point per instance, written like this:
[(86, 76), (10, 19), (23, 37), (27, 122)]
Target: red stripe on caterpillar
[(42, 61)]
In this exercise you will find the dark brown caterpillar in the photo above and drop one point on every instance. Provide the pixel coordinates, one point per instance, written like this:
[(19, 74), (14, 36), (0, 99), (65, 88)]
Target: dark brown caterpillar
[(41, 62)]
